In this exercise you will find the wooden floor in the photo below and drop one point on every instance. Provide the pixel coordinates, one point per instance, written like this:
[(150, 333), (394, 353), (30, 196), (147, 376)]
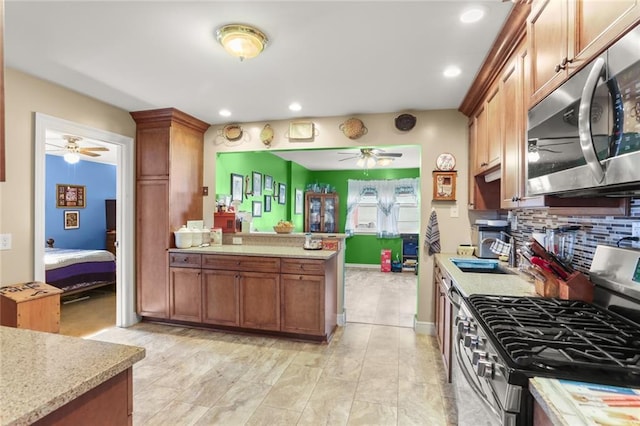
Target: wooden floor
[(87, 317)]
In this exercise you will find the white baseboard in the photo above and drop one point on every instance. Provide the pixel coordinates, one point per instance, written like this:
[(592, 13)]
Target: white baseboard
[(421, 327), (341, 319), (362, 265)]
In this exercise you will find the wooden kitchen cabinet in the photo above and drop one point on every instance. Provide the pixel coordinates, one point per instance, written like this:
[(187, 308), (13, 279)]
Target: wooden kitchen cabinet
[(256, 282), (487, 138), (221, 296), (259, 300), (308, 296), (291, 295), (564, 35), (443, 318), (321, 212), (185, 287), (185, 294), (169, 152)]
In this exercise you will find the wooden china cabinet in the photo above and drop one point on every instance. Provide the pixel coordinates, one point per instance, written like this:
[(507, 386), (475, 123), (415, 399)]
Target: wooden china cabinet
[(321, 212), (169, 169)]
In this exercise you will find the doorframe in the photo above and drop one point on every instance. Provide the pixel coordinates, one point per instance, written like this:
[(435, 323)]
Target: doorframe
[(125, 277)]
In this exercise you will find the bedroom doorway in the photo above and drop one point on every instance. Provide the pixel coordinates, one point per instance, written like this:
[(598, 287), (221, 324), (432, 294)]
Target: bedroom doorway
[(124, 148)]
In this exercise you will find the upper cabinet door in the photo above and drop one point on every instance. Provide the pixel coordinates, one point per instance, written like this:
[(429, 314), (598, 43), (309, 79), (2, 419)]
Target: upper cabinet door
[(597, 24), (564, 35), (547, 31)]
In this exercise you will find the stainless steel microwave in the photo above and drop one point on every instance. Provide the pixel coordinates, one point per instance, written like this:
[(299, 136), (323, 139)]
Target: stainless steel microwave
[(584, 138)]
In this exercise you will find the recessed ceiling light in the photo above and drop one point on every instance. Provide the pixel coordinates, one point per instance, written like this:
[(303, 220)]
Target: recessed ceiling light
[(472, 15), (225, 113), (295, 106), (451, 71)]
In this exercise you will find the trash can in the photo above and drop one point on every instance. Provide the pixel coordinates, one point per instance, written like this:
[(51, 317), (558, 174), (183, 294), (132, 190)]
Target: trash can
[(385, 260)]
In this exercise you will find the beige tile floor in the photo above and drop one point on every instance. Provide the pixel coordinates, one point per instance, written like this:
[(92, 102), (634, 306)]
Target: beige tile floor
[(369, 374), (384, 298)]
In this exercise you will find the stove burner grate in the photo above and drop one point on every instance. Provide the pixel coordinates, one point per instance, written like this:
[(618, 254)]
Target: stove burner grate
[(554, 334)]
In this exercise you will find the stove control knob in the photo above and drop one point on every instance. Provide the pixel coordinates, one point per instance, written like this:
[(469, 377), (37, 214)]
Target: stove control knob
[(463, 327), (475, 342), (485, 369), (461, 317), (479, 355), (471, 341)]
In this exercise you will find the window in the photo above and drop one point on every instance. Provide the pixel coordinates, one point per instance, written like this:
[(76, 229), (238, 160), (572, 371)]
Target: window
[(385, 208)]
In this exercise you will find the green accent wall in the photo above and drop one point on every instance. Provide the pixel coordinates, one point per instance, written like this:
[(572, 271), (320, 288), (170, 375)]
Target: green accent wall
[(360, 249)]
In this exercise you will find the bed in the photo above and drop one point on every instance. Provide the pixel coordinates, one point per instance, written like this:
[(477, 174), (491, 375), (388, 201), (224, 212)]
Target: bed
[(73, 270)]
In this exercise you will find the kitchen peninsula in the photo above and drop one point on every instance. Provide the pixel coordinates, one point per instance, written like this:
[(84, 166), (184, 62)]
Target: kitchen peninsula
[(47, 378), (268, 283)]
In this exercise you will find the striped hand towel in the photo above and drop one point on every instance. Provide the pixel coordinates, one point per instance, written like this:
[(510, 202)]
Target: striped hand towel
[(432, 236)]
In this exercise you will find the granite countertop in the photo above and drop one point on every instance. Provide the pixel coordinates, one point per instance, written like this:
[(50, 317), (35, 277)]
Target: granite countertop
[(253, 250), (570, 403), (469, 283), (41, 372)]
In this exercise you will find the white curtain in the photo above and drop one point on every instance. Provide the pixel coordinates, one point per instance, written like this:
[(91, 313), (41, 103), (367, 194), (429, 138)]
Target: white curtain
[(388, 208), (353, 198)]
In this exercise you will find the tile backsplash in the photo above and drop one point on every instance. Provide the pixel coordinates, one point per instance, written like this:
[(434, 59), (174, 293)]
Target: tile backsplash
[(594, 230)]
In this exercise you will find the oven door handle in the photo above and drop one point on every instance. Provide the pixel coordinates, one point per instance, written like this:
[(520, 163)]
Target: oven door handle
[(476, 389), (450, 292), (584, 120)]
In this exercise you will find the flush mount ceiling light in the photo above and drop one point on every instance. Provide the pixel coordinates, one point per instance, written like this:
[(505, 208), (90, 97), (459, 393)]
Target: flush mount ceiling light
[(472, 15), (240, 40)]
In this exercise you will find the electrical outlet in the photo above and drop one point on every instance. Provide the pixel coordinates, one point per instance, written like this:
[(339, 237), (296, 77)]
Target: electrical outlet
[(237, 240), (454, 211), (635, 232), (5, 241)]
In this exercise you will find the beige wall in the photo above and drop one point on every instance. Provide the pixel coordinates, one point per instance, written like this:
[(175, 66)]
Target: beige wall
[(435, 131), (24, 96)]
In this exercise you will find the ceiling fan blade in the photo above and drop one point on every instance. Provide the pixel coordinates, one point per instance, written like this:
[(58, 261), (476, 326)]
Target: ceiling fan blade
[(390, 155), (57, 146), (95, 148), (349, 158), (88, 153)]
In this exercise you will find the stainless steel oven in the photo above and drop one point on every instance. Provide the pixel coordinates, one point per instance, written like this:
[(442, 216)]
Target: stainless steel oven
[(584, 138)]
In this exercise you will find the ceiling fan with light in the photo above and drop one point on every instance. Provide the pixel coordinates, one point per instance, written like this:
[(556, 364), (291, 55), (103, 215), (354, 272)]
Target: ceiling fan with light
[(73, 150), (370, 157)]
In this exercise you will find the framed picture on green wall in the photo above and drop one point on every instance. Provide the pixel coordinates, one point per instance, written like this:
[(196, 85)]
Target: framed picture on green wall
[(236, 187), (267, 203), (257, 184), (256, 208), (298, 205), (282, 193), (268, 183)]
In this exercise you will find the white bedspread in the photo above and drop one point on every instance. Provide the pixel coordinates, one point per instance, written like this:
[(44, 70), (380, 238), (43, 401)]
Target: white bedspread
[(57, 258)]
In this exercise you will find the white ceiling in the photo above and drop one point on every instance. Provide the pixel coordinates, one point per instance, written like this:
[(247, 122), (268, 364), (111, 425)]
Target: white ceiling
[(333, 57)]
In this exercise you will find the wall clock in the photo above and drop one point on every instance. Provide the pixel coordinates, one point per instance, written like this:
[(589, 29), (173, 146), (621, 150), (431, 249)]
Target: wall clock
[(445, 162)]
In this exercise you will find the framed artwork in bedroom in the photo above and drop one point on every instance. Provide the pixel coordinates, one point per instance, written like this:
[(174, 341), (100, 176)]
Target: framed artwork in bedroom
[(71, 219), (70, 196)]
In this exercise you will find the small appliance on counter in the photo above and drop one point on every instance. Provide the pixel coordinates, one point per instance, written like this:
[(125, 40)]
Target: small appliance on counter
[(483, 236), (311, 243)]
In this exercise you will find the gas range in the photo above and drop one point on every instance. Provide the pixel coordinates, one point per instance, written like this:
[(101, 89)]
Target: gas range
[(502, 341), (560, 338)]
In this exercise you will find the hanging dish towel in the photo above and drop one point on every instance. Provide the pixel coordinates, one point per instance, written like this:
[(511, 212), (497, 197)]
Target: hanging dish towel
[(432, 236)]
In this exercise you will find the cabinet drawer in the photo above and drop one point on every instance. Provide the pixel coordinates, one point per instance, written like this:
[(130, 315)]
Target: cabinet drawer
[(303, 266), (241, 263), (185, 260)]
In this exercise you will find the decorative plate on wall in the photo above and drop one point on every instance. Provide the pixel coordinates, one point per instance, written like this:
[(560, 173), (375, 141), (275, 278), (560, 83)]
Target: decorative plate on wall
[(405, 122)]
